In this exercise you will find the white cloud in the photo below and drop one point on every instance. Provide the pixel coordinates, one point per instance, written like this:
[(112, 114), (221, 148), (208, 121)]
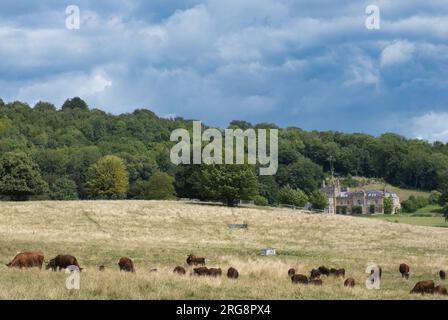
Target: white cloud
[(431, 126), (397, 52)]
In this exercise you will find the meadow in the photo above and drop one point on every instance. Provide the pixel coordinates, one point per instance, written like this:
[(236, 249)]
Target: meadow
[(160, 234)]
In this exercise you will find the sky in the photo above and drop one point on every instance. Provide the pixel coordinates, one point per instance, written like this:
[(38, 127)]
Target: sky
[(304, 63)]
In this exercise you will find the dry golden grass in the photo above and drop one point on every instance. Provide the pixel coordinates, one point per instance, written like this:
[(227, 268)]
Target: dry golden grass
[(157, 234)]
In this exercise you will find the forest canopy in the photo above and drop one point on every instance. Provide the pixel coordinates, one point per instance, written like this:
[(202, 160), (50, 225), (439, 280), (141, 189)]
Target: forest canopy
[(60, 147)]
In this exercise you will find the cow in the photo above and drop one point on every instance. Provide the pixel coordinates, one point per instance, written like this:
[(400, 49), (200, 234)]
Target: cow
[(316, 282), (404, 270), (61, 262), (201, 271), (423, 287), (442, 275), (315, 274), (215, 272), (193, 260), (232, 273), (179, 270), (441, 290), (27, 260), (324, 270), (291, 272), (349, 282), (299, 278), (337, 272), (101, 268), (126, 264)]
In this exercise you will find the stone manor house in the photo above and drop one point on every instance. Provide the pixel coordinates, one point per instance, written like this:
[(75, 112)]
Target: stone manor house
[(343, 201)]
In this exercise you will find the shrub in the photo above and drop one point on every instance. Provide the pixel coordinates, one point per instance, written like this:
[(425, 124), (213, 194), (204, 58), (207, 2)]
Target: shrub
[(357, 210), (295, 197), (318, 200), (260, 201), (388, 206), (63, 189)]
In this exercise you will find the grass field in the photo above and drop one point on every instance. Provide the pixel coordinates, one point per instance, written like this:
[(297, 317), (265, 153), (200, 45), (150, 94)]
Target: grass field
[(434, 221), (161, 234)]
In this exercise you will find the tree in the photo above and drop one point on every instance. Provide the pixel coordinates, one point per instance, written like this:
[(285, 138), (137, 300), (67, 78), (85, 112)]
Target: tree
[(318, 200), (229, 183), (302, 174), (107, 178), (75, 103), (445, 212), (63, 189), (158, 187), (388, 205), (20, 177), (294, 197), (434, 197)]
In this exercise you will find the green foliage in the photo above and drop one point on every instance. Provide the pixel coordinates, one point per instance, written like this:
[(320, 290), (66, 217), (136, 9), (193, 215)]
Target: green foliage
[(158, 187), (434, 197), (443, 199), (413, 204), (260, 201), (63, 189), (75, 104), (445, 211), (107, 179), (20, 177), (357, 210), (318, 200), (372, 209), (302, 174), (388, 205), (269, 189), (294, 197), (229, 183)]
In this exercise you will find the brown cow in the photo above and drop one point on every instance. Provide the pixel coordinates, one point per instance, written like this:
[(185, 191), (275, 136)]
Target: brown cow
[(27, 260), (404, 270), (291, 272), (215, 272), (324, 270), (101, 268), (442, 274), (62, 262), (179, 270), (349, 282), (441, 290), (337, 272), (232, 273), (201, 271), (299, 278), (193, 260), (316, 282), (126, 264), (315, 274), (424, 287)]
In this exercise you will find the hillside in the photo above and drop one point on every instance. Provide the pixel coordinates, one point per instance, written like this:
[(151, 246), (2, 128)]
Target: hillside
[(161, 234)]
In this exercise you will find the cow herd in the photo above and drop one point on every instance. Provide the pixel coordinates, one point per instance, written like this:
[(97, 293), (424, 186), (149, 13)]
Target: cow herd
[(316, 276)]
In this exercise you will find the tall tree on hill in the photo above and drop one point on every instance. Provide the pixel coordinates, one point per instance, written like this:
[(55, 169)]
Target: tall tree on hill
[(20, 177), (107, 179)]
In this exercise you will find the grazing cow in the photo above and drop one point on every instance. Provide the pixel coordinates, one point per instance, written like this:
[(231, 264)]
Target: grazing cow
[(201, 271), (215, 272), (316, 282), (232, 273), (404, 270), (299, 278), (126, 264), (179, 270), (324, 270), (291, 272), (424, 287), (337, 272), (101, 268), (349, 282), (441, 290), (62, 262), (315, 274), (442, 274), (27, 260), (193, 260)]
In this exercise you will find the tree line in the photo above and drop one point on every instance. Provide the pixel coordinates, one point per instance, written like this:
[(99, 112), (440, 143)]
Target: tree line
[(76, 152)]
